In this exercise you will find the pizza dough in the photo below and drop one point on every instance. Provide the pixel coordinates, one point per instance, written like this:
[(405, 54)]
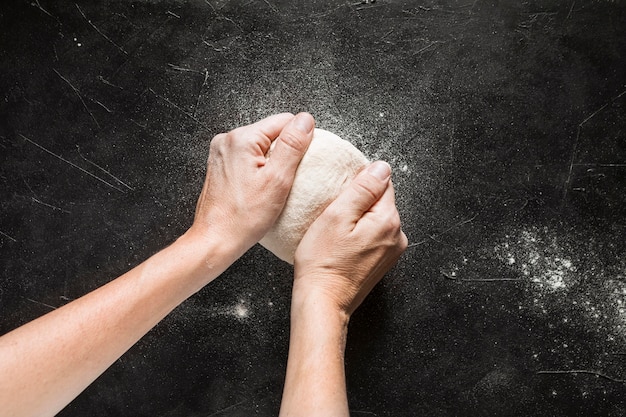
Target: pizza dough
[(329, 164)]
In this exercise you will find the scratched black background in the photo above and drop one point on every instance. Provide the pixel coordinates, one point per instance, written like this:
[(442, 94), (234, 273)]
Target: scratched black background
[(505, 125)]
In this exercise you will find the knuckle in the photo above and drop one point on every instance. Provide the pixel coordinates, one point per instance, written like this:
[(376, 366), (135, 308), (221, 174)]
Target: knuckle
[(235, 137), (366, 187), (281, 181), (217, 140), (238, 131), (394, 223), (333, 213), (293, 141), (277, 182), (404, 242)]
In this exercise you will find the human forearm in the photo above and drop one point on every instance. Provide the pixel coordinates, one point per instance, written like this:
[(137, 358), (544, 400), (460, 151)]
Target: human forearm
[(315, 382), (46, 363), (342, 256)]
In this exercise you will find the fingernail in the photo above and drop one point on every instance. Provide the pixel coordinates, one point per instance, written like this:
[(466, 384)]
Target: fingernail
[(380, 170), (303, 122)]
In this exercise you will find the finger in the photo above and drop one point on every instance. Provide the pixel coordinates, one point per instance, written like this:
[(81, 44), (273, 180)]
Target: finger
[(364, 191), (385, 209), (270, 127), (291, 144), (386, 202)]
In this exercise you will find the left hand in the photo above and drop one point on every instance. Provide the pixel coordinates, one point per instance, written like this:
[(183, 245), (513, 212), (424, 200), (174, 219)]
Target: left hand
[(244, 192)]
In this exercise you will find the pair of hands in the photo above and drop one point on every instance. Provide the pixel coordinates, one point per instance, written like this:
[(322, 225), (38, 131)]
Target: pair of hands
[(46, 363), (345, 252)]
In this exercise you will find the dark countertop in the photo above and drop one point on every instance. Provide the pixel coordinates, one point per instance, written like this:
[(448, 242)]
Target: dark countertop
[(504, 123)]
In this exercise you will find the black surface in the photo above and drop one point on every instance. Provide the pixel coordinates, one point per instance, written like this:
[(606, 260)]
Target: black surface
[(504, 123)]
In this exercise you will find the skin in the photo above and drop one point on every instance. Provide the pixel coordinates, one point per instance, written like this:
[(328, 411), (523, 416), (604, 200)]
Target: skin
[(46, 363), (343, 255)]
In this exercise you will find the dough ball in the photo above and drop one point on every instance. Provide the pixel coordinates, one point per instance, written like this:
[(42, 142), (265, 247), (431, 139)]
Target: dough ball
[(329, 164)]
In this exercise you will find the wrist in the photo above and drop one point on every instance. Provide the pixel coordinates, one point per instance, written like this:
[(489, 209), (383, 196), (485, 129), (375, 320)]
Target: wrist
[(312, 304), (315, 381), (209, 242), (202, 256)]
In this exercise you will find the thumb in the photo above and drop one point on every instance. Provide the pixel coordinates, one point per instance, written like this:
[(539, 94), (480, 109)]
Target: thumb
[(291, 144), (364, 190)]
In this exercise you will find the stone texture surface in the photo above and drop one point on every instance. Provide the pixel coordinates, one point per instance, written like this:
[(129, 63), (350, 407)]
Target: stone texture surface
[(504, 124)]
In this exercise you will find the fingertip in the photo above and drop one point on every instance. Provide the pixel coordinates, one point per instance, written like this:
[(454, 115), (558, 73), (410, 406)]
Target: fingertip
[(379, 170), (304, 122)]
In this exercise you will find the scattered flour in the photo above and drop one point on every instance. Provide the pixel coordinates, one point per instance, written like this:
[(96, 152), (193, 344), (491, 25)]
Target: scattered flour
[(240, 310), (537, 254), (567, 279)]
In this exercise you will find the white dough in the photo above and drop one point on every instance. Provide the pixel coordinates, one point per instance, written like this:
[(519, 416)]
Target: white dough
[(329, 164)]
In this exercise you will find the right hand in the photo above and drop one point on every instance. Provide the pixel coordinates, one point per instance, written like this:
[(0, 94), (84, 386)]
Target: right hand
[(352, 244)]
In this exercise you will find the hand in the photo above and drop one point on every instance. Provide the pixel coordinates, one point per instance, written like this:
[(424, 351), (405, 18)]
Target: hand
[(49, 361), (353, 243), (345, 252), (244, 192)]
